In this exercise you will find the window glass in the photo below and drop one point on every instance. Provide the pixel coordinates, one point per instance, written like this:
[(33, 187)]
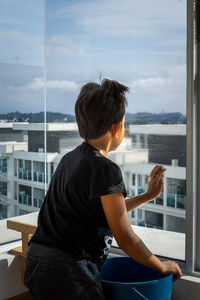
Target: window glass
[(144, 48), (141, 45), (22, 101), (154, 220)]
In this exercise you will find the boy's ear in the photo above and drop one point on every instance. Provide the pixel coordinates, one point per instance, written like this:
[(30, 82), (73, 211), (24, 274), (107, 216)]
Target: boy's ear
[(115, 128)]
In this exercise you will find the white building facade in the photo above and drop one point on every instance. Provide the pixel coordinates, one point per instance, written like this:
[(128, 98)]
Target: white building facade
[(24, 180)]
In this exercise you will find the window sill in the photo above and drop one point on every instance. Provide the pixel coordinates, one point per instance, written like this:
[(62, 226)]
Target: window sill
[(162, 243)]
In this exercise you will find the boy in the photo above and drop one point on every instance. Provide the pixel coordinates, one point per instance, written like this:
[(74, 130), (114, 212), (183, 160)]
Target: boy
[(86, 204)]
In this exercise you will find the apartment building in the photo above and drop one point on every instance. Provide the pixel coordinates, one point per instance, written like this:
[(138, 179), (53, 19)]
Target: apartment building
[(166, 144), (7, 199), (24, 180)]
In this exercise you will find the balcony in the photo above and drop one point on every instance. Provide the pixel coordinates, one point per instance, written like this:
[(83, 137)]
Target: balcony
[(24, 199), (176, 201), (39, 177), (24, 174), (37, 202)]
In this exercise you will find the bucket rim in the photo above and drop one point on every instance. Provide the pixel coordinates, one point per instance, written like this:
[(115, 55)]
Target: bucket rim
[(149, 282)]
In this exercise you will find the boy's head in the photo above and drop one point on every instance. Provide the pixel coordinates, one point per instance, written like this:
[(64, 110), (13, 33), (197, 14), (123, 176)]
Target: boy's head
[(98, 107)]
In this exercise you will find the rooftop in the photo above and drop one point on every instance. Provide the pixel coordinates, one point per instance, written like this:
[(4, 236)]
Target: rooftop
[(49, 126), (158, 129)]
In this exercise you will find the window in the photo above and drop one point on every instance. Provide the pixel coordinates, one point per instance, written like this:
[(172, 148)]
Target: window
[(25, 195), (3, 188), (38, 195), (3, 164), (15, 167), (133, 179), (82, 46), (159, 200), (86, 42), (154, 220), (176, 196), (22, 100), (175, 224)]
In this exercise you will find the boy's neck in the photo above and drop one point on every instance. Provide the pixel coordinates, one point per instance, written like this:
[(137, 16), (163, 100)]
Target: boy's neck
[(102, 144)]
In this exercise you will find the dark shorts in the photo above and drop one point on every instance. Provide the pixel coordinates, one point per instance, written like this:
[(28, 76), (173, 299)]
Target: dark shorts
[(52, 274)]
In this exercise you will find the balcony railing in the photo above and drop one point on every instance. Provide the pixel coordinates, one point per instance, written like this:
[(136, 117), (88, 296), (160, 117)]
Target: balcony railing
[(3, 165), (25, 199), (24, 174), (40, 177), (176, 201), (37, 202)]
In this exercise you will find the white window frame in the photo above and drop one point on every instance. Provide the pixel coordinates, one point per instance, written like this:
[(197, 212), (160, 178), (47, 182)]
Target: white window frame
[(193, 147)]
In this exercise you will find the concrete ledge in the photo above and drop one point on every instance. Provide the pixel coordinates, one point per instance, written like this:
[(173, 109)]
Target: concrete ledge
[(10, 276)]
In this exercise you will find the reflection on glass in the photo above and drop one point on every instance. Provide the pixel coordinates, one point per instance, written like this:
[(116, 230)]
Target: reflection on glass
[(159, 200), (22, 101), (129, 42), (154, 220), (170, 199), (181, 201)]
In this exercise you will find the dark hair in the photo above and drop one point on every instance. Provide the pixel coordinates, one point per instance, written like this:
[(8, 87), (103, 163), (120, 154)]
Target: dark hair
[(100, 106)]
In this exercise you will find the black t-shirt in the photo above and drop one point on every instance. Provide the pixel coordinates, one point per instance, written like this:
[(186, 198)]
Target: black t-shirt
[(71, 217)]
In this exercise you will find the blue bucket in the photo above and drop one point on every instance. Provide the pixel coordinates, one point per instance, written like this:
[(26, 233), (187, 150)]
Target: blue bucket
[(124, 279)]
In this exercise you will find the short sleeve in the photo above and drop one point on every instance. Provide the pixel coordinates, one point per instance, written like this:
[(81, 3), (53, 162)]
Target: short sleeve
[(105, 180)]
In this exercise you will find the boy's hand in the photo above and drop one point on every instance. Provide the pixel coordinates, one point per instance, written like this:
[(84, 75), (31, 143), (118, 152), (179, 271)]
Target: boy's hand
[(172, 267), (156, 181)]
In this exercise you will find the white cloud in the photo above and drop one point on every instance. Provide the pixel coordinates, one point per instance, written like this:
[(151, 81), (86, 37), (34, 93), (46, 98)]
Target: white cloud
[(59, 46), (120, 18), (150, 83), (38, 84), (166, 92), (16, 44)]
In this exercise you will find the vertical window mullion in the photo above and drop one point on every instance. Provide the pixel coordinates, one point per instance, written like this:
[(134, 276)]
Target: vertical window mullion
[(197, 105), (191, 197), (193, 138)]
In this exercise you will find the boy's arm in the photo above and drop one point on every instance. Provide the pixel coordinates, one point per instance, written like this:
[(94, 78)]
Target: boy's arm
[(116, 215), (155, 186)]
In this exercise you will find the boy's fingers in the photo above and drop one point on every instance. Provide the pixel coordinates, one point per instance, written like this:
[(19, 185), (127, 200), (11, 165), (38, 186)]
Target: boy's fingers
[(155, 170), (159, 175)]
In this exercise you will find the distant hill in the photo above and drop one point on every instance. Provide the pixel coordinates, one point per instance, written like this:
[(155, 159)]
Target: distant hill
[(152, 118), (37, 117), (137, 118)]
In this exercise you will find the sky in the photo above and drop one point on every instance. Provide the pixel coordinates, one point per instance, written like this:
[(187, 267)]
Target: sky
[(139, 43)]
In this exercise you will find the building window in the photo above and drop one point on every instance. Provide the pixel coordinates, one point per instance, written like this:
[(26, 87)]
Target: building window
[(52, 169), (23, 212), (38, 197), (133, 179), (25, 197), (3, 165), (159, 200), (176, 193), (3, 188), (15, 167), (15, 191), (154, 220), (38, 172), (175, 224), (25, 171)]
